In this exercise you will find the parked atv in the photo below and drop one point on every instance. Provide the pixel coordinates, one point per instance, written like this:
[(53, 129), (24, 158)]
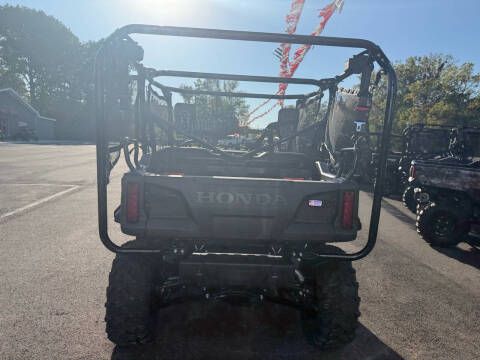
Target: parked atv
[(448, 194), (217, 224), (421, 142)]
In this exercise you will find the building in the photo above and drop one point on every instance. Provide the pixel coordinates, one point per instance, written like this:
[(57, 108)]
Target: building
[(16, 115)]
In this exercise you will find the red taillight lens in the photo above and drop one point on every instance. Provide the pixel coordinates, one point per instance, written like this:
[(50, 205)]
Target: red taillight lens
[(413, 172), (133, 192), (347, 209)]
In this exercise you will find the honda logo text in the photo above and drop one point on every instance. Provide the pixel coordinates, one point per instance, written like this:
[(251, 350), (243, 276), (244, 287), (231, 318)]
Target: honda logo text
[(227, 198)]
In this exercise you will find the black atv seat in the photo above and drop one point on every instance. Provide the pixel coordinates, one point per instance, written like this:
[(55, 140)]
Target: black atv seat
[(202, 162)]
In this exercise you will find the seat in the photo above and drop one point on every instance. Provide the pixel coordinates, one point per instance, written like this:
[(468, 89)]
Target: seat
[(202, 162), (287, 125), (184, 160)]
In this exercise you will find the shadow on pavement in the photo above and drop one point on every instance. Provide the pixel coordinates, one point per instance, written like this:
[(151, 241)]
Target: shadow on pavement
[(399, 215), (396, 212), (222, 331), (468, 253)]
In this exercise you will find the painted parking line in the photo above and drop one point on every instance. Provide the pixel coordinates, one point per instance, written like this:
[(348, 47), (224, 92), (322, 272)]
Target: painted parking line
[(39, 184), (40, 201)]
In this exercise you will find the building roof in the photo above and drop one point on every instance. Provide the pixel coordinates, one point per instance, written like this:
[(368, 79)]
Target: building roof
[(14, 95), (46, 118)]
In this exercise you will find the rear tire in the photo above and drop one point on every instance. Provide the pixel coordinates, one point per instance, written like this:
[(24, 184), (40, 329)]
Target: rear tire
[(440, 225), (409, 199), (129, 307), (333, 323)]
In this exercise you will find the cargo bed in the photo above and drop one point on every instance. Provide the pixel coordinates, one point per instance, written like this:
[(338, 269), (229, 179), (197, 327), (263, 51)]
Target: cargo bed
[(447, 175)]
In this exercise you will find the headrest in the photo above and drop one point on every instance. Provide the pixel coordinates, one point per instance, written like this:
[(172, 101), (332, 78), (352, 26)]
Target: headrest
[(348, 115), (184, 117), (287, 121)]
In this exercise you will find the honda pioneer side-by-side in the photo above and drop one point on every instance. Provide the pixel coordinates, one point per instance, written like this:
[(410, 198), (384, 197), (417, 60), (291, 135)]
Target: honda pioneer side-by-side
[(447, 192), (416, 141), (420, 142), (212, 223), (449, 200)]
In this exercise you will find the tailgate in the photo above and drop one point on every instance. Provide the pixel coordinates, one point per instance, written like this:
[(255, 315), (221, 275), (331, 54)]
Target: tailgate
[(227, 208)]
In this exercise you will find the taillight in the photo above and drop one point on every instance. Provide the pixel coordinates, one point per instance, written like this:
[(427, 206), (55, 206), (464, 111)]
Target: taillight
[(347, 209), (412, 172), (133, 197)]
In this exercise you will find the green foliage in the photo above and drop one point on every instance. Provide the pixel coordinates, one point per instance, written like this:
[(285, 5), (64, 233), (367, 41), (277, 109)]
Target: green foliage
[(39, 50), (314, 113), (45, 62), (433, 90), (216, 106)]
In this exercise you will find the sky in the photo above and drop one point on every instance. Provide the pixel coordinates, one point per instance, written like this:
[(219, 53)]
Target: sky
[(402, 28)]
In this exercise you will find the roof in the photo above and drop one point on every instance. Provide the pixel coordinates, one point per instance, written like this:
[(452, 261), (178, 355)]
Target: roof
[(46, 118), (14, 95)]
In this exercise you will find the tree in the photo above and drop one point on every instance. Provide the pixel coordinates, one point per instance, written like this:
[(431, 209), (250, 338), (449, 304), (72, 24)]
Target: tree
[(46, 63), (433, 90), (215, 107), (74, 108), (38, 55)]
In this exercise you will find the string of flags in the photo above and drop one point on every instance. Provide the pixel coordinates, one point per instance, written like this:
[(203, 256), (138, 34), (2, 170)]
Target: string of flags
[(288, 66)]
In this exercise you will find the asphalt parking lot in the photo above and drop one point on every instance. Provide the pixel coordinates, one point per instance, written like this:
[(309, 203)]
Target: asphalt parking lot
[(418, 302)]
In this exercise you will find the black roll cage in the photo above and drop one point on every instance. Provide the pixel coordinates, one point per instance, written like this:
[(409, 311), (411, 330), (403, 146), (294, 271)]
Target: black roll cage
[(101, 109)]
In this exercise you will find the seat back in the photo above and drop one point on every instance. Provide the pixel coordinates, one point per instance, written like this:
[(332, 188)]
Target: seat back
[(345, 119), (288, 125), (201, 162), (185, 117)]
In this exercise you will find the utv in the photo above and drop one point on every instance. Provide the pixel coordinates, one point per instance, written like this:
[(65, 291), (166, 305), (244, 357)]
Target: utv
[(449, 200), (216, 224), (448, 192), (421, 142)]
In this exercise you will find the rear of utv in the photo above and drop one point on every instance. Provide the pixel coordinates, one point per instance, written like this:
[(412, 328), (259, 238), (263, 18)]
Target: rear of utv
[(420, 142), (447, 192), (257, 223)]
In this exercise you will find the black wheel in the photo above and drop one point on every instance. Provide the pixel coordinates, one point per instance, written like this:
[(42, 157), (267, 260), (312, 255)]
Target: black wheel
[(409, 199), (441, 225), (129, 307), (335, 319)]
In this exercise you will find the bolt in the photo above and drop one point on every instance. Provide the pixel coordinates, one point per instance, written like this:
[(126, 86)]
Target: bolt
[(207, 295), (261, 297), (182, 251)]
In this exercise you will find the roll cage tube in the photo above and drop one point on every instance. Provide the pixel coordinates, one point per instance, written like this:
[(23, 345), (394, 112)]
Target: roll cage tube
[(102, 152), (364, 67), (171, 127)]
